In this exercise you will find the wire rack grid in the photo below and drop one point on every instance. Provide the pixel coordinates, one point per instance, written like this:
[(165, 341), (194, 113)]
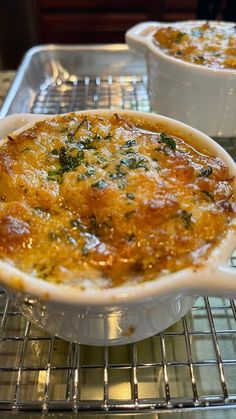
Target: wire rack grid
[(189, 366)]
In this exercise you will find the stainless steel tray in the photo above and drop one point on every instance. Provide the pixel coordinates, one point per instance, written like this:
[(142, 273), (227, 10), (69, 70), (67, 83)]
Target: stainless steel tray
[(190, 367), (56, 79)]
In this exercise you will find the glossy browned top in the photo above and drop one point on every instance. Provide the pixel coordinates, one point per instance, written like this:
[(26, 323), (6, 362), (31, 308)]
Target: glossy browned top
[(95, 201), (209, 44)]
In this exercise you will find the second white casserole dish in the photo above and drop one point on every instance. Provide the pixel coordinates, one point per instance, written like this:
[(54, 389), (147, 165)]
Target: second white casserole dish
[(200, 96), (125, 313)]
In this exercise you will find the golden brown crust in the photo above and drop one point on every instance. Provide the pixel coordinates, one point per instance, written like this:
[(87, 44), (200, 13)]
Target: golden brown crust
[(86, 199), (208, 44)]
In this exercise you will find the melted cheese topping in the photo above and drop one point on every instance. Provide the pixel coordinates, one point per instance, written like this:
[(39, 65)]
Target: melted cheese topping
[(210, 44), (97, 202)]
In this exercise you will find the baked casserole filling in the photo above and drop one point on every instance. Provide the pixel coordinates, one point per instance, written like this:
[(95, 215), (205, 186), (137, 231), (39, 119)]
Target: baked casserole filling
[(96, 201), (209, 44)]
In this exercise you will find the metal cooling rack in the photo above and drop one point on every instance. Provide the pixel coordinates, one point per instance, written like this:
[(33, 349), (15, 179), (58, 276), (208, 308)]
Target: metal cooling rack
[(123, 92), (190, 366)]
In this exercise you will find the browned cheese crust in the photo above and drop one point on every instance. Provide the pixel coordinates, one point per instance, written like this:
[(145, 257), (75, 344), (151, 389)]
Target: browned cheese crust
[(210, 45), (95, 201)]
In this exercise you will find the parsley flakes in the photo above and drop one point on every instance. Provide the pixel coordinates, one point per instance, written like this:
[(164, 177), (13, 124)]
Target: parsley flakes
[(68, 162), (100, 184), (168, 140), (206, 172)]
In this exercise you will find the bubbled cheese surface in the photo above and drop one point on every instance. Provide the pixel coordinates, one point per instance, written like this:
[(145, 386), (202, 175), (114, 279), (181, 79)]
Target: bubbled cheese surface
[(99, 202)]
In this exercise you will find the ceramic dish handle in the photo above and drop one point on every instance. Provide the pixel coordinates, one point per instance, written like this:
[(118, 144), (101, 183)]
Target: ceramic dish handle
[(137, 37), (14, 122), (223, 282), (218, 279)]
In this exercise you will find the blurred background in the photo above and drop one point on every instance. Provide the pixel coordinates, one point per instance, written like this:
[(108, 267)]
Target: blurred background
[(25, 23)]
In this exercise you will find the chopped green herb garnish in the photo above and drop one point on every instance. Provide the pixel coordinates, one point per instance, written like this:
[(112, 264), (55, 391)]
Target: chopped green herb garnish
[(81, 176), (206, 172), (100, 184), (70, 137), (129, 214), (129, 143), (80, 125), (55, 152), (53, 236), (90, 172), (108, 137), (130, 237), (76, 224), (26, 149), (209, 195), (200, 59), (121, 184), (116, 175), (168, 140), (134, 162), (179, 37), (130, 195), (97, 136), (55, 175), (68, 161), (186, 218), (88, 144), (102, 159)]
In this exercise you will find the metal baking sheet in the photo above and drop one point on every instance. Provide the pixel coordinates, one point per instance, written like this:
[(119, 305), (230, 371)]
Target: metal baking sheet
[(188, 368), (104, 74)]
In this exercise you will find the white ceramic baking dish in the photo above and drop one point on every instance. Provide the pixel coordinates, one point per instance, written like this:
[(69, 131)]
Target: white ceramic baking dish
[(127, 313), (202, 97)]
